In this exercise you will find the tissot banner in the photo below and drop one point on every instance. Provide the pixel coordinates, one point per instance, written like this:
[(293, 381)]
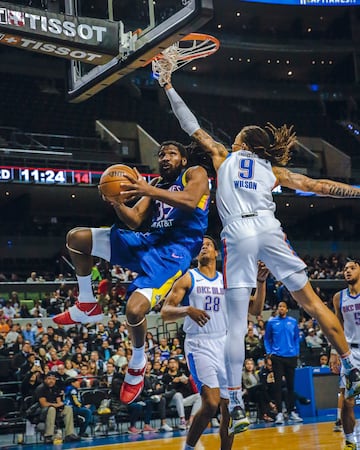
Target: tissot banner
[(83, 38)]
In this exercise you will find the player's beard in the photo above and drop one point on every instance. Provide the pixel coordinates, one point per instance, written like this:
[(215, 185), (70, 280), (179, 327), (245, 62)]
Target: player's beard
[(171, 173)]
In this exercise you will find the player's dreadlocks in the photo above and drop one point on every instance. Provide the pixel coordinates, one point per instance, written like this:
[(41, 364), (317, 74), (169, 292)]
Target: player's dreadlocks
[(271, 143)]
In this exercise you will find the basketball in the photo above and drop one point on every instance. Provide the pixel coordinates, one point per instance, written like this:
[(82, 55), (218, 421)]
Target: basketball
[(109, 185)]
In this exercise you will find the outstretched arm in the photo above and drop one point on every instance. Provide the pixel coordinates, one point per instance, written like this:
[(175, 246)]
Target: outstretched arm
[(190, 125), (326, 188), (258, 299), (197, 185), (171, 309)]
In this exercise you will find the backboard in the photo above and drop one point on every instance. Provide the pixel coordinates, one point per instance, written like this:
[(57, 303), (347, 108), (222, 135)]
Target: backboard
[(146, 27)]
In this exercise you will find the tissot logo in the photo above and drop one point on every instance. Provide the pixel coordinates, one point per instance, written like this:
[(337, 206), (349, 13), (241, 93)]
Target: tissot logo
[(53, 49), (52, 25)]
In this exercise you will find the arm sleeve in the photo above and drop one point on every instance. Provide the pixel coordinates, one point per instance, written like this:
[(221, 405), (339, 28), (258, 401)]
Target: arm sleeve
[(186, 118)]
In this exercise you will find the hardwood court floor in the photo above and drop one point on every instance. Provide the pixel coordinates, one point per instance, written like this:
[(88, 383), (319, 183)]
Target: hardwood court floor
[(309, 435), (290, 437)]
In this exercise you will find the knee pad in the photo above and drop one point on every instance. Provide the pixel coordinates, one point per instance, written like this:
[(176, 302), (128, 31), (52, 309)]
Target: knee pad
[(295, 281)]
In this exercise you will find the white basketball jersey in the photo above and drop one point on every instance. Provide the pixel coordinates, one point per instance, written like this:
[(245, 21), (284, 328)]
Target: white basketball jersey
[(350, 310), (244, 185), (207, 294)]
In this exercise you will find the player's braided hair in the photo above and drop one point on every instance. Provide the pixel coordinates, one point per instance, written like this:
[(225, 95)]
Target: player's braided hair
[(198, 157), (271, 143)]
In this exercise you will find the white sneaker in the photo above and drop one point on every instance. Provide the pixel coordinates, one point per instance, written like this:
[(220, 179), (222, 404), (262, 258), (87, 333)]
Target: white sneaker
[(279, 419), (215, 423), (294, 417), (166, 427), (239, 422), (182, 426)]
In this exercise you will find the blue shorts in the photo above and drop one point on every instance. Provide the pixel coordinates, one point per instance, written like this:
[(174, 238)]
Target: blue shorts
[(158, 264)]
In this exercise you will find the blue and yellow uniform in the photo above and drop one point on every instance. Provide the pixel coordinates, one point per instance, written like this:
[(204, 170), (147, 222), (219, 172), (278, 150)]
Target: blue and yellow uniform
[(163, 254)]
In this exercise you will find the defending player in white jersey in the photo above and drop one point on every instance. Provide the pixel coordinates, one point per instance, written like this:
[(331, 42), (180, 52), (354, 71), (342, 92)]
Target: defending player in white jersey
[(347, 309), (245, 179), (201, 294)]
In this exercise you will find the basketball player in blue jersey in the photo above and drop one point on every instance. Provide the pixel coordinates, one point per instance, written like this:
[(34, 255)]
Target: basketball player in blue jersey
[(198, 296), (347, 309), (245, 179), (178, 207)]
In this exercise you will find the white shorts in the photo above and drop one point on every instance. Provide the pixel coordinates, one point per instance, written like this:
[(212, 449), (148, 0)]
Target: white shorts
[(356, 355), (245, 241), (206, 362)]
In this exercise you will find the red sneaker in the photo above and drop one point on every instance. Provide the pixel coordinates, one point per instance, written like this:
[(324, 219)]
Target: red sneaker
[(130, 391), (80, 313)]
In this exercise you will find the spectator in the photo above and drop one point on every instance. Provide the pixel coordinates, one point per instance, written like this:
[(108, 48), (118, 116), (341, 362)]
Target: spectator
[(105, 351), (164, 349), (324, 360), (29, 334), (70, 371), (73, 399), (38, 310), (52, 407), (255, 391), (179, 391), (134, 409), (20, 359), (253, 346), (109, 374), (3, 349), (12, 335), (33, 278), (9, 309), (54, 361), (313, 340), (24, 312), (4, 326), (119, 357), (30, 382), (153, 394)]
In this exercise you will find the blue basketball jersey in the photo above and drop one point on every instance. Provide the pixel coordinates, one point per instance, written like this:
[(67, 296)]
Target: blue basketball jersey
[(178, 225), (165, 252)]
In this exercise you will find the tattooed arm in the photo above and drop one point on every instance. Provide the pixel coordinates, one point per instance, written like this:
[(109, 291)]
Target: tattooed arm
[(326, 188)]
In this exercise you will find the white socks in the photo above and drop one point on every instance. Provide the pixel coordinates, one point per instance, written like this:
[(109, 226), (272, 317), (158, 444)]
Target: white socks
[(86, 294)]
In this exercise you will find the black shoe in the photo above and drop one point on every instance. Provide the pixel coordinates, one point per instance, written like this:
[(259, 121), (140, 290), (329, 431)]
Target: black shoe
[(48, 439), (304, 401), (84, 435), (72, 438)]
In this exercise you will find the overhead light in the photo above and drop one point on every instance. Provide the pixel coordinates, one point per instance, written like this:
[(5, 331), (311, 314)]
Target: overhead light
[(309, 30), (248, 60), (194, 68), (269, 61), (290, 73), (219, 25), (238, 14), (231, 58)]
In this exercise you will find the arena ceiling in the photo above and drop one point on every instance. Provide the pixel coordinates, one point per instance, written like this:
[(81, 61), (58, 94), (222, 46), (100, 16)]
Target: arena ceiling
[(273, 46)]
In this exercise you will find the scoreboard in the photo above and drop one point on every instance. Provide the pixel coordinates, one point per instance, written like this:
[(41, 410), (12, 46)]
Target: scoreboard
[(41, 175)]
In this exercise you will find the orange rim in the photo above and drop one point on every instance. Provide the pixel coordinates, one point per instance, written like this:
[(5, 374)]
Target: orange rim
[(195, 55)]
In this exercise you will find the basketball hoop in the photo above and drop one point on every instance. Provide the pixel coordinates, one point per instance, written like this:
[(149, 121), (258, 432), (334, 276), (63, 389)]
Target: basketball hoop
[(190, 47)]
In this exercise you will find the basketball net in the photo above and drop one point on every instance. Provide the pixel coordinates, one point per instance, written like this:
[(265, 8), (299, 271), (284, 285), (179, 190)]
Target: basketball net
[(189, 48)]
